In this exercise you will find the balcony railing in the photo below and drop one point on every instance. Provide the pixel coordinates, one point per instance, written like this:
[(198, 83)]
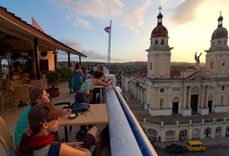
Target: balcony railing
[(126, 135)]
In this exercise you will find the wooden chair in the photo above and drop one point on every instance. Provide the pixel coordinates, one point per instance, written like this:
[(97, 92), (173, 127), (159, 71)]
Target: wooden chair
[(6, 139), (2, 122), (21, 93), (6, 96)]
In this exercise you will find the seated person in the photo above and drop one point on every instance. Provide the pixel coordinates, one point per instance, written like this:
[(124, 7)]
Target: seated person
[(38, 138), (89, 84), (36, 96)]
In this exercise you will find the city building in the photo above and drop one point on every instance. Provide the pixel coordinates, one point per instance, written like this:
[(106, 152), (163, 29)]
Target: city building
[(197, 90)]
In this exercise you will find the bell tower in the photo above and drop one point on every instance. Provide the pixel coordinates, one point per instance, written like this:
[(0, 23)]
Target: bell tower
[(217, 58), (159, 55)]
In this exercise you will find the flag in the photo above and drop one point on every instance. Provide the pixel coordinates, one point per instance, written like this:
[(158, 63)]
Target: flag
[(36, 25), (108, 29)]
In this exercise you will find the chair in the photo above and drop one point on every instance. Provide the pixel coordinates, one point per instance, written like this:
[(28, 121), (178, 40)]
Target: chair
[(21, 93), (2, 122), (6, 95), (6, 140)]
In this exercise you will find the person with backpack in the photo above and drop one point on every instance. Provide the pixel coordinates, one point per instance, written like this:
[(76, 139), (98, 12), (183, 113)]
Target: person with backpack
[(38, 139)]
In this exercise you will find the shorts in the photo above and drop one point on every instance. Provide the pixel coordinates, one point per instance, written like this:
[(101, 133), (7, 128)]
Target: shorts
[(88, 140)]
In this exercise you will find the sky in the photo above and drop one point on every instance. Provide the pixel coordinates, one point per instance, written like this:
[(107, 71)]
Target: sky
[(80, 24)]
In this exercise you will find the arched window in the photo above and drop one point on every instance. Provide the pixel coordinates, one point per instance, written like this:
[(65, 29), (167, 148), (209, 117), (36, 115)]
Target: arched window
[(218, 131), (150, 66), (213, 44), (222, 100), (169, 134), (162, 42), (161, 103), (211, 65), (219, 43), (176, 99), (151, 132)]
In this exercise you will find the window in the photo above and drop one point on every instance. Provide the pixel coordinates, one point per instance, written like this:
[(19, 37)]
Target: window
[(211, 65), (169, 134), (156, 42), (162, 90), (223, 87), (223, 64), (162, 42), (218, 131), (161, 103), (222, 100), (213, 44), (150, 66), (152, 132)]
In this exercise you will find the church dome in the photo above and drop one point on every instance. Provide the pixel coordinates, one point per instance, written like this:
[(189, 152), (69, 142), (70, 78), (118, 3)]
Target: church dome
[(159, 30), (220, 32)]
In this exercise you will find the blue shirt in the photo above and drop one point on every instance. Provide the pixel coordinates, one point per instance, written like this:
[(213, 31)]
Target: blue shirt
[(21, 125)]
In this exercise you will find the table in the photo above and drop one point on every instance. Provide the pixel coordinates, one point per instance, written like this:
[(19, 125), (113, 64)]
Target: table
[(97, 115)]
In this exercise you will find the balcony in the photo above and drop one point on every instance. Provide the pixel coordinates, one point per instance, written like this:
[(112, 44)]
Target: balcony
[(126, 135)]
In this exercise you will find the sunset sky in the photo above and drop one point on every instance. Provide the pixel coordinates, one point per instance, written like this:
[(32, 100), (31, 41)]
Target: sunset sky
[(80, 24)]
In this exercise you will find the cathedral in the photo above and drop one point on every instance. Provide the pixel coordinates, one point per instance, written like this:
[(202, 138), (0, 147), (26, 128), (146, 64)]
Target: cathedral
[(200, 90)]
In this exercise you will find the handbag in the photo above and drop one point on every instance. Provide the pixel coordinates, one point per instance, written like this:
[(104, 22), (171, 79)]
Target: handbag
[(79, 107)]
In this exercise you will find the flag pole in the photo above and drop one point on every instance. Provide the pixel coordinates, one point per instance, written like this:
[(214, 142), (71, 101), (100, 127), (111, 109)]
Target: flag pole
[(109, 46)]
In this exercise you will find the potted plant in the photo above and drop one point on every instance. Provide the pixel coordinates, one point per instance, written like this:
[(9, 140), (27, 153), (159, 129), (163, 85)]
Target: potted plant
[(53, 77), (65, 73)]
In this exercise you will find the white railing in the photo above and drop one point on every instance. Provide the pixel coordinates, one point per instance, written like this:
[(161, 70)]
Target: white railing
[(126, 135), (127, 138)]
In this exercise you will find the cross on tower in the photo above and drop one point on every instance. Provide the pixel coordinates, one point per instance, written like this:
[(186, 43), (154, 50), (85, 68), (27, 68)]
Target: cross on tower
[(160, 8)]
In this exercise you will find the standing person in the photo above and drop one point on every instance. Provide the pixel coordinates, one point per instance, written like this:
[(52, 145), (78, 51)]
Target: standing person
[(71, 79), (38, 139), (77, 76), (36, 96), (86, 75)]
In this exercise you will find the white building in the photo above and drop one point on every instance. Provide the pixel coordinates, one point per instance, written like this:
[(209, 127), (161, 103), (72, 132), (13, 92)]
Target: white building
[(191, 91)]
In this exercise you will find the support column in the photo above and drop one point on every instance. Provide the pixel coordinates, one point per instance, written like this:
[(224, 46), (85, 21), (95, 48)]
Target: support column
[(157, 105), (69, 61), (190, 132), (189, 98), (223, 131), (55, 60), (79, 59), (202, 96), (212, 132), (201, 132), (206, 97), (184, 97), (37, 73)]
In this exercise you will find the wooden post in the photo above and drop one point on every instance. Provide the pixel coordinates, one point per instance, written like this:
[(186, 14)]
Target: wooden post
[(69, 61), (55, 59), (79, 59), (38, 75)]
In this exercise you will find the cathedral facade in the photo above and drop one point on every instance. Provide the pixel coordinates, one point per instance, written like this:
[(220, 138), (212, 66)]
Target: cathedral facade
[(200, 90)]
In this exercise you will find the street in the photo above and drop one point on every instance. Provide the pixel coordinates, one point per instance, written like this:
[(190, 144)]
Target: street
[(219, 151)]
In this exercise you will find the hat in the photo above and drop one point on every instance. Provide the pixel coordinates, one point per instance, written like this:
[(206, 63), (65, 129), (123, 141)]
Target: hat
[(43, 112)]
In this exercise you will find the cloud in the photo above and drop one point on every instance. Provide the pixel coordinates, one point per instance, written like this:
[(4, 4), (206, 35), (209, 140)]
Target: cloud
[(129, 15), (163, 2), (133, 18), (91, 55), (186, 11), (77, 21)]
